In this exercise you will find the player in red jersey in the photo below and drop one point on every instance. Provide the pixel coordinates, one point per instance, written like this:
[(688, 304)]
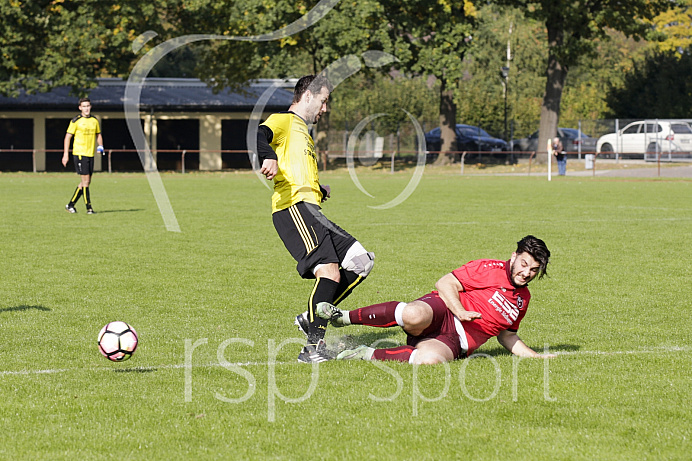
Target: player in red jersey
[(479, 300)]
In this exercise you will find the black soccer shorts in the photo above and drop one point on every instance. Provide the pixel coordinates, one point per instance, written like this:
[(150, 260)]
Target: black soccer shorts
[(310, 237), (84, 165)]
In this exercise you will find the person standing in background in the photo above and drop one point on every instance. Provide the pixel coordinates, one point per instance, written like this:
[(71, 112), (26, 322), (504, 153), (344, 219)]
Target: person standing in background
[(87, 139), (560, 156)]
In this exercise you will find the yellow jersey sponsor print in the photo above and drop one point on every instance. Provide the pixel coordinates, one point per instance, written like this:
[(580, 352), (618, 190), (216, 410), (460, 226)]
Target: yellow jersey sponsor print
[(84, 131), (297, 179)]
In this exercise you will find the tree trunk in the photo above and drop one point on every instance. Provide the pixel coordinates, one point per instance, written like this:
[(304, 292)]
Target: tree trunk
[(448, 123), (555, 83), (321, 131)]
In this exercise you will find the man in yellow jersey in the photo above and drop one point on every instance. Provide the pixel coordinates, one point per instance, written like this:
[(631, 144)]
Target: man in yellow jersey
[(87, 138), (322, 249)]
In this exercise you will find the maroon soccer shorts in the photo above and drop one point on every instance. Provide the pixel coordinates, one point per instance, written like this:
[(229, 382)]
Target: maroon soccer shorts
[(442, 327)]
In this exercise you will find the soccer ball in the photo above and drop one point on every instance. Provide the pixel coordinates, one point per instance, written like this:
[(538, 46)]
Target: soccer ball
[(118, 341)]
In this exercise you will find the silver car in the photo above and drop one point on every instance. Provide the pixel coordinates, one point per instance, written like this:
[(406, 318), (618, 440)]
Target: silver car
[(571, 139)]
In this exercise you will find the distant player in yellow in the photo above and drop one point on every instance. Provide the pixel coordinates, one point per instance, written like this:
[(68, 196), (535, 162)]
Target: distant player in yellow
[(87, 139), (323, 250)]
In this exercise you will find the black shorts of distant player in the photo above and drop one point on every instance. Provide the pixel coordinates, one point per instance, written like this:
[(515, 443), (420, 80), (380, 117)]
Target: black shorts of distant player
[(84, 165)]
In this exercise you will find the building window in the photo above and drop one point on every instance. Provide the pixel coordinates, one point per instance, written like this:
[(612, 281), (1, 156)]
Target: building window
[(16, 134), (177, 135), (234, 137)]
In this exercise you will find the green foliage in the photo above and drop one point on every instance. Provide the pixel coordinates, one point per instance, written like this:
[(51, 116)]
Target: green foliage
[(480, 97), (577, 25), (430, 37), (655, 88), (363, 95), (591, 81), (351, 28), (572, 30), (180, 63), (462, 44), (54, 43), (673, 27)]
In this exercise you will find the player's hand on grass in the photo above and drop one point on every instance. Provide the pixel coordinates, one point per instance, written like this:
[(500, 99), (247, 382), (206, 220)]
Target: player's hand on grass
[(326, 192), (269, 168)]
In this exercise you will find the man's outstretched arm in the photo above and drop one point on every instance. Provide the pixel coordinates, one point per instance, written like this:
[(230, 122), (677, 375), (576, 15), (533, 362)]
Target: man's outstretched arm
[(511, 341)]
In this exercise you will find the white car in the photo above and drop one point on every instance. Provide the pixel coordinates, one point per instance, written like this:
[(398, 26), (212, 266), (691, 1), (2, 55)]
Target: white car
[(648, 136)]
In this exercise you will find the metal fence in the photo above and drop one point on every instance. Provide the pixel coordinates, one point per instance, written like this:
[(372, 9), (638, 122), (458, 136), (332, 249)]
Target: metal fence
[(382, 140)]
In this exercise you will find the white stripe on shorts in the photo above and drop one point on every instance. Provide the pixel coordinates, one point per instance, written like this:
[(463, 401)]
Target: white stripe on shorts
[(462, 335)]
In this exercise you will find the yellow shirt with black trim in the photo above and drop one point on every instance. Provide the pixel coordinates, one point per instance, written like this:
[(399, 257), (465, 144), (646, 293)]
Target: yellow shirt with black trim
[(297, 179), (84, 131)]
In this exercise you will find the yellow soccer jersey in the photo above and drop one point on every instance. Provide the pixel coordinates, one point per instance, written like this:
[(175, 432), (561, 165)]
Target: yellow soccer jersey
[(84, 131), (297, 179)]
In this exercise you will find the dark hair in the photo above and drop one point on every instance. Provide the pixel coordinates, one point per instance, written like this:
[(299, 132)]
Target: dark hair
[(536, 248), (313, 83), (81, 100)]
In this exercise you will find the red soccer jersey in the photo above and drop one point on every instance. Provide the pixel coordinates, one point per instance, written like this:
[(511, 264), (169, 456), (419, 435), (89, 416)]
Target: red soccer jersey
[(489, 291)]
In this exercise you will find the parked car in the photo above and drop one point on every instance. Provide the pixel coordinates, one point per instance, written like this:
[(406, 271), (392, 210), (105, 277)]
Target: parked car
[(469, 138), (570, 138), (648, 136)]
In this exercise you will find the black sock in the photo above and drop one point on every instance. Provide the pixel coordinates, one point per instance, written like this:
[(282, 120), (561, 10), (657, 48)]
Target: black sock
[(87, 198), (349, 280), (322, 292), (75, 196)]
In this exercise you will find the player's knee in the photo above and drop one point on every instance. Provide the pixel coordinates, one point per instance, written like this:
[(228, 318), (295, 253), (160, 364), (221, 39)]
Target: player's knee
[(329, 271), (416, 316), (358, 260), (427, 358)]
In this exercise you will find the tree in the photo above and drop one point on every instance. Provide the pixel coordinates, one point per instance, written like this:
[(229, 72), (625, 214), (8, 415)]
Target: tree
[(652, 87), (480, 97), (675, 28), (431, 37), (572, 29), (49, 43), (590, 82), (347, 31), (655, 89)]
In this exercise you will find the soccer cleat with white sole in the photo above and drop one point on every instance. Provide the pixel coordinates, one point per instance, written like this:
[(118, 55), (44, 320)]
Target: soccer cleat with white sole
[(362, 352), (314, 353), (70, 208)]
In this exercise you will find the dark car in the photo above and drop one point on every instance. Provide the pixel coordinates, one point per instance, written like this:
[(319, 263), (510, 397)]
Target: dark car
[(570, 141), (469, 138)]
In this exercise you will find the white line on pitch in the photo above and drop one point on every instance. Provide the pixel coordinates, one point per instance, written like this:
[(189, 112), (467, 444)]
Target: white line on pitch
[(657, 350)]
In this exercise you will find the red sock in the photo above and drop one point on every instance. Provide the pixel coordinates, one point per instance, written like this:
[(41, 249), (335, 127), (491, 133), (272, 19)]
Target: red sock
[(377, 315), (400, 354)]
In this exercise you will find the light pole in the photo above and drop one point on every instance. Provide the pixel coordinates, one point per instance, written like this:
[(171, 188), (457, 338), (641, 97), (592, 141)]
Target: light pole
[(505, 80)]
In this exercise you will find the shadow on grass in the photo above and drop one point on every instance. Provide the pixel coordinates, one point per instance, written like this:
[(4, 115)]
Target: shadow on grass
[(499, 350), (383, 339), (135, 370), (376, 339), (119, 211), (23, 307)]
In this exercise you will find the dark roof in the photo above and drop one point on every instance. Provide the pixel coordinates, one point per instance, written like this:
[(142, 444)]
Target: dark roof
[(160, 94)]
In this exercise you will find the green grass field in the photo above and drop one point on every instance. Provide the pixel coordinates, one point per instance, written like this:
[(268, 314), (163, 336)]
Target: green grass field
[(216, 377)]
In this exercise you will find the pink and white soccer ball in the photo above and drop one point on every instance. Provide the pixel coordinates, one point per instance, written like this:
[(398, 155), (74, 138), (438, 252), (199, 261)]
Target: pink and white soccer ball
[(118, 341)]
